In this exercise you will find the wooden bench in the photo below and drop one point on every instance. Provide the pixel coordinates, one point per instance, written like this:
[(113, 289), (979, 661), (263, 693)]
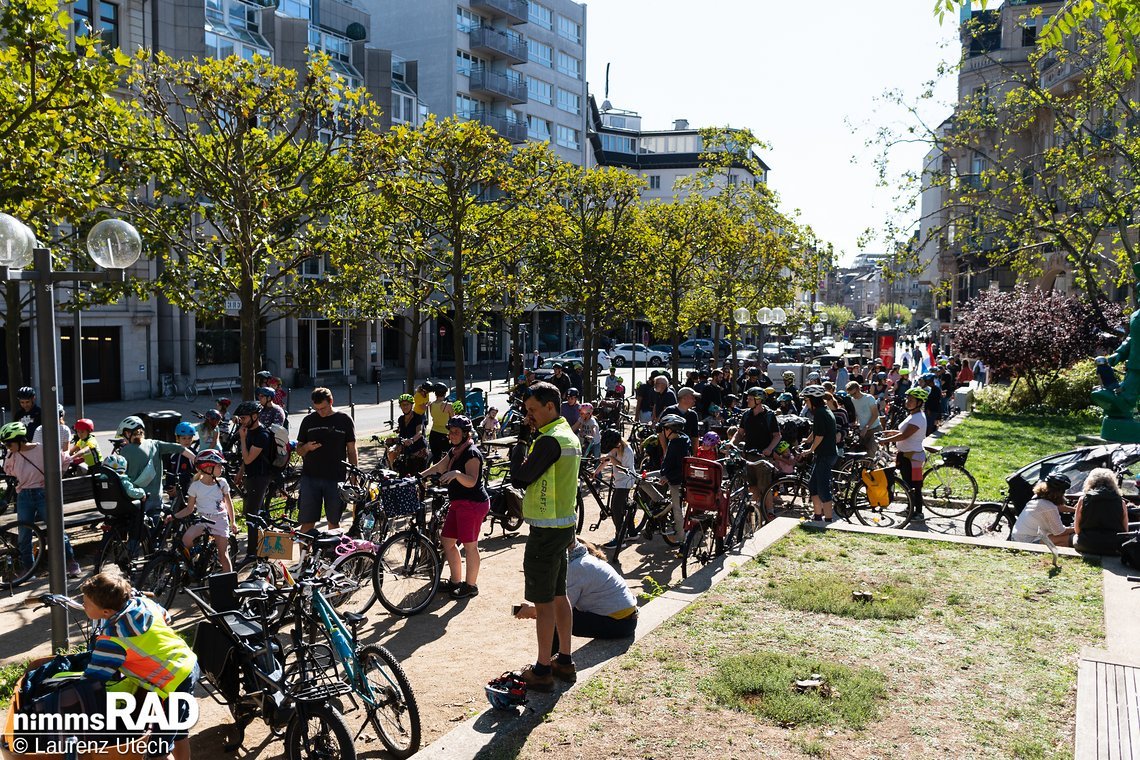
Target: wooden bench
[(78, 504), (1108, 715)]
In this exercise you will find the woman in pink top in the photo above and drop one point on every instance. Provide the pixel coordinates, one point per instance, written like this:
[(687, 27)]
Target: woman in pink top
[(25, 462)]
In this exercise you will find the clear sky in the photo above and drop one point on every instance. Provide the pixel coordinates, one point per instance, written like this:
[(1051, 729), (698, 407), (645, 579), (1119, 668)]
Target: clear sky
[(796, 73)]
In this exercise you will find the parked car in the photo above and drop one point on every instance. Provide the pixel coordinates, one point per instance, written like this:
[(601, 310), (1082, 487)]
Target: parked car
[(623, 354), (770, 350), (546, 369), (579, 355), (663, 348), (689, 347)]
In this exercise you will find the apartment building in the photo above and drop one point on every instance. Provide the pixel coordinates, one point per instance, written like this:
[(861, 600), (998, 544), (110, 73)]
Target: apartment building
[(129, 345), (516, 66)]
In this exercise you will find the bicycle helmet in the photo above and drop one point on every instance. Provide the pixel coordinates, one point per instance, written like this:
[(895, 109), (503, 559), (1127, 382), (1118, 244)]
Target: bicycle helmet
[(769, 391), (710, 440), (13, 431), (671, 422), (610, 439), (223, 402), (209, 457), (59, 409), (714, 409), (461, 422), (26, 392), (573, 392), (440, 388), (620, 379), (904, 371), (557, 365), (785, 396), (813, 377), (185, 428), (247, 409), (731, 398), (128, 425), (213, 415), (789, 375), (458, 407), (922, 394), (84, 425), (506, 692), (813, 391), (587, 407), (264, 375), (1059, 480), (755, 390), (841, 394), (116, 462), (407, 397), (265, 391), (782, 447)]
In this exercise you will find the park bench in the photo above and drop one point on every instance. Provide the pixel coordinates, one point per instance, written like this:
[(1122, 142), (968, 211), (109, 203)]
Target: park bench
[(1108, 713), (213, 386), (78, 504)]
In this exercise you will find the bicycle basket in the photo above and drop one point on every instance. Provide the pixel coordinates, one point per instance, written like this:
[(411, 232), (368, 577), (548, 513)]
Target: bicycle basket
[(956, 455), (400, 497)]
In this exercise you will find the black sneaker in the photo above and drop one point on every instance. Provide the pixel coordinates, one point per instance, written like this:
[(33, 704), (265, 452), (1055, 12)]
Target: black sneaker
[(448, 587), (918, 517), (464, 590), (612, 544)]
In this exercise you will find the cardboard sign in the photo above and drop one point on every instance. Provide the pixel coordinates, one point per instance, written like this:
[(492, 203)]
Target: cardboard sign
[(275, 545)]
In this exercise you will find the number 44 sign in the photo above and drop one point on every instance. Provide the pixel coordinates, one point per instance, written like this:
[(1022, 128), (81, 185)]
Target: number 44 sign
[(275, 545)]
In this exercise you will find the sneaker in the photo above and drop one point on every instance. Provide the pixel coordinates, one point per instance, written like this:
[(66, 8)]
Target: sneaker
[(612, 544), (463, 590), (567, 673), (535, 681), (918, 517), (73, 570), (449, 587)]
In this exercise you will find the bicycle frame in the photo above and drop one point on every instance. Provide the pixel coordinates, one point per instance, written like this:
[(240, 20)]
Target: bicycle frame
[(343, 647)]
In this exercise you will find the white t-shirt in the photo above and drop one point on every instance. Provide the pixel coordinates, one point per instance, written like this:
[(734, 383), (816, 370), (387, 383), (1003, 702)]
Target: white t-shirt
[(627, 460), (64, 436), (864, 406), (913, 442), (208, 499), (1039, 516)]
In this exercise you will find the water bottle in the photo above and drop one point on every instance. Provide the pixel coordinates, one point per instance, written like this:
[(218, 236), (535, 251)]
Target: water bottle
[(367, 520)]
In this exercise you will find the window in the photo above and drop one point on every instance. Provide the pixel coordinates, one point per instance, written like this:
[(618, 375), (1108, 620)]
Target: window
[(570, 102), (537, 129), (567, 137), (569, 30), (403, 109), (465, 61), (618, 143), (296, 9), (540, 15), (539, 91), (217, 340), (541, 54), (465, 20), (654, 181), (105, 24), (569, 65), (466, 106), (731, 180)]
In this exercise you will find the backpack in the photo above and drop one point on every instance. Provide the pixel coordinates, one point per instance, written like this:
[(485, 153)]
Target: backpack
[(282, 448)]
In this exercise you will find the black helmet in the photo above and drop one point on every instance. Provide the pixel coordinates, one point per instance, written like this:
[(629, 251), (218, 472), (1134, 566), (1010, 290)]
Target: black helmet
[(610, 439), (1059, 480), (247, 409), (439, 388), (460, 421), (671, 422), (573, 392), (26, 392)]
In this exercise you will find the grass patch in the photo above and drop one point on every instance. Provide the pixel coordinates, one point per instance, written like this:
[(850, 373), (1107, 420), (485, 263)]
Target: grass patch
[(1001, 444), (9, 675), (763, 683), (832, 593)]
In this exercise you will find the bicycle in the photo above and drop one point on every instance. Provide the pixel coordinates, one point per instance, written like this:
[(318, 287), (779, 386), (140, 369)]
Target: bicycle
[(168, 388), (13, 571), (371, 672), (948, 488), (409, 564), (706, 515), (649, 510), (168, 572)]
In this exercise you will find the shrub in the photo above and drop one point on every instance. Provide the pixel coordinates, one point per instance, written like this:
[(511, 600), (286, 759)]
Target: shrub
[(1067, 395)]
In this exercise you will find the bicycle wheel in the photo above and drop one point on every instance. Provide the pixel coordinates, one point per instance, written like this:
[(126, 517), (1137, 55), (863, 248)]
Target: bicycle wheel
[(580, 509), (788, 495), (748, 520), (989, 521), (317, 730), (357, 594), (114, 550), (949, 490), (13, 571), (191, 390), (7, 493), (162, 577), (896, 514), (701, 546), (405, 575), (394, 713)]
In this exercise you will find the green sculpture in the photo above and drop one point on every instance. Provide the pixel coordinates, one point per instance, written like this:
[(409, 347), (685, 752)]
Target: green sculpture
[(1119, 401)]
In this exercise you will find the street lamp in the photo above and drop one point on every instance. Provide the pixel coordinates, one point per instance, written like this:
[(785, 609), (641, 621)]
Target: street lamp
[(114, 245)]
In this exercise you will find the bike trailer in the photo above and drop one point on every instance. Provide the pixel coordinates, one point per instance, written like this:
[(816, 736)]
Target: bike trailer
[(1076, 464), (476, 402)]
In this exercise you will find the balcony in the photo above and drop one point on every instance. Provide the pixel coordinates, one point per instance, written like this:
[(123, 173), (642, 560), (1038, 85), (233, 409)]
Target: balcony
[(512, 131), (1061, 77), (510, 87), (498, 44), (515, 11)]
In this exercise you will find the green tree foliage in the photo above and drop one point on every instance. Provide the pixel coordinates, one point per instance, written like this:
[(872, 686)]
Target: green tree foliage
[(53, 173), (838, 317), (592, 230), (890, 313), (250, 162)]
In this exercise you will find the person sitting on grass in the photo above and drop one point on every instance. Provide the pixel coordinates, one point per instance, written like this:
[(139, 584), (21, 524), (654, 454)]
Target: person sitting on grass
[(135, 638), (210, 496), (1042, 515), (1101, 515)]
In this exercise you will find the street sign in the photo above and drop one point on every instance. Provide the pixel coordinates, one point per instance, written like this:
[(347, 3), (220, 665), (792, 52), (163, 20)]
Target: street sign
[(442, 331), (233, 305)]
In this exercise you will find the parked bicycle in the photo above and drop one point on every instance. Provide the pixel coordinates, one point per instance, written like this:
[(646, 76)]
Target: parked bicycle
[(168, 572), (649, 511), (948, 488), (409, 563)]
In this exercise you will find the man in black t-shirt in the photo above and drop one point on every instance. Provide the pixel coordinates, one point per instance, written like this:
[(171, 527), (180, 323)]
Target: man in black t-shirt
[(326, 439), (665, 397), (257, 448), (560, 380), (759, 431)]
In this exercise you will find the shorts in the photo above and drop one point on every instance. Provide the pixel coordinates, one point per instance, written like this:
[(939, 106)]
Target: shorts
[(544, 563), (219, 525), (464, 520), (186, 687), (819, 482), (314, 493)]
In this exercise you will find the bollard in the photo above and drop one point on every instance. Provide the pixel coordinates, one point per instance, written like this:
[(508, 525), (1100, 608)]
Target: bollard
[(377, 394), (351, 405), (288, 394), (391, 413)]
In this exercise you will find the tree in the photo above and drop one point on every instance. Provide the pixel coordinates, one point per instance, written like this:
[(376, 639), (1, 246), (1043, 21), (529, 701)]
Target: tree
[(462, 188), (594, 231), (1027, 333), (53, 174), (890, 313), (838, 317), (250, 162)]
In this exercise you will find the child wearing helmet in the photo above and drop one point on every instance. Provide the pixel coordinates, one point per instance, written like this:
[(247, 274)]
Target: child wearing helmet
[(118, 465), (209, 431), (209, 496), (784, 458), (179, 467), (708, 446), (671, 430), (25, 463), (145, 459), (84, 450), (222, 407)]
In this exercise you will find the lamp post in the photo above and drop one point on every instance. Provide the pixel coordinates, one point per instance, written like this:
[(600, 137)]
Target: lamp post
[(114, 245)]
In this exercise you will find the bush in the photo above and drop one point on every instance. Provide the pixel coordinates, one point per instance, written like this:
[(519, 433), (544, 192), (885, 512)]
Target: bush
[(1068, 395)]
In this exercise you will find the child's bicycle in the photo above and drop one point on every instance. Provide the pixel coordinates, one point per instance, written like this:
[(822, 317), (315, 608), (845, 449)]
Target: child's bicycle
[(170, 571), (650, 510)]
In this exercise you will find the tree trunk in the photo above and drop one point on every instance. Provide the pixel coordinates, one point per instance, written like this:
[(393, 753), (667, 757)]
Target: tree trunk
[(516, 359), (589, 338), (412, 361), (12, 323), (732, 340), (249, 353)]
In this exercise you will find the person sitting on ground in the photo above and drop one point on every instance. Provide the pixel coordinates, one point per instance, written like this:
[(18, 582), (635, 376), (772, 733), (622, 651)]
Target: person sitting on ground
[(135, 638), (1101, 515), (604, 606), (84, 450), (1042, 515)]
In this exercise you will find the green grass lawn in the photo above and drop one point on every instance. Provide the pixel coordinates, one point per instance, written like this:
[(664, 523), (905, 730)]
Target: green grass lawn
[(1000, 444)]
